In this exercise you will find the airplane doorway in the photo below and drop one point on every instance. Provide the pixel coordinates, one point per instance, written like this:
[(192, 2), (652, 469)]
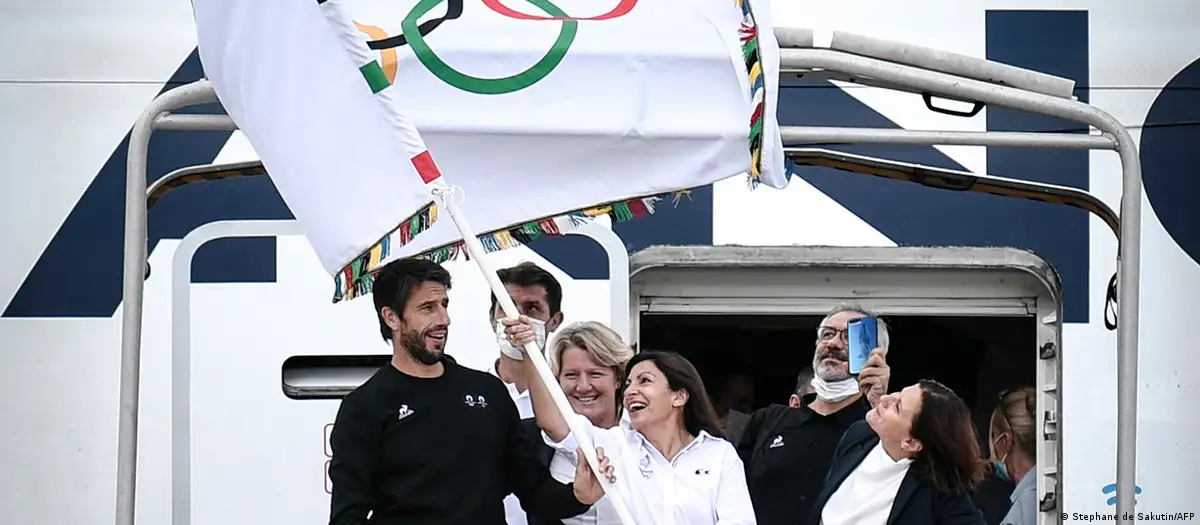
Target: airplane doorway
[(977, 357)]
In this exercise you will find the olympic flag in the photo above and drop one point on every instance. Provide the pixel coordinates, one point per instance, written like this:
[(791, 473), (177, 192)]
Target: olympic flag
[(539, 112)]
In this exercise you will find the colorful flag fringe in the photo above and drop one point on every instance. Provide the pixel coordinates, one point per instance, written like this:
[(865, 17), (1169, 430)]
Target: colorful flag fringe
[(750, 53), (358, 277)]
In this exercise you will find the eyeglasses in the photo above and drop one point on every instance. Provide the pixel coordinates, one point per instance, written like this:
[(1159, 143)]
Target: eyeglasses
[(826, 334)]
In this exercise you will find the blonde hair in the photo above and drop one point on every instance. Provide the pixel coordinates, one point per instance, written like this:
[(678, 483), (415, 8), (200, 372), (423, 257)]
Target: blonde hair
[(603, 345), (1017, 414)]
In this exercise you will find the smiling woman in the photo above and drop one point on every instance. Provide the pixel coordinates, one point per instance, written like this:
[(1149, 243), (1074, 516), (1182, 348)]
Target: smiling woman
[(664, 393), (671, 434), (914, 460), (589, 359)]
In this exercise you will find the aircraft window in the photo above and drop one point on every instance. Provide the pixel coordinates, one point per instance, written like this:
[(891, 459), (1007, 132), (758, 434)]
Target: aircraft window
[(328, 377)]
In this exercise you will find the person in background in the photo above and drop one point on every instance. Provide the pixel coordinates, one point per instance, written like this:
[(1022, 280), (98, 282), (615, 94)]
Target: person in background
[(913, 461), (513, 377), (688, 472), (589, 361), (787, 450), (1012, 451), (426, 440), (992, 496), (500, 373), (538, 296), (735, 403), (803, 388)]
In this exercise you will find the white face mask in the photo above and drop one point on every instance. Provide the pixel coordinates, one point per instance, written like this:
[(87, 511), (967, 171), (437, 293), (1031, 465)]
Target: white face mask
[(539, 332), (834, 391)]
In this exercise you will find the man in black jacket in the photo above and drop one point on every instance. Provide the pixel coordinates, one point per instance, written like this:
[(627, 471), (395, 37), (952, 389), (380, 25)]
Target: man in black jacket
[(787, 449), (426, 440)]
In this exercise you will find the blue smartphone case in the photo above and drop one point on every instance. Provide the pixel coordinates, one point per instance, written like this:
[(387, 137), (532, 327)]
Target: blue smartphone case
[(862, 335)]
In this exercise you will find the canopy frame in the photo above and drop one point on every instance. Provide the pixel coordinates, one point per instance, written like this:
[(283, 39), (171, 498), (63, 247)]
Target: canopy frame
[(853, 58)]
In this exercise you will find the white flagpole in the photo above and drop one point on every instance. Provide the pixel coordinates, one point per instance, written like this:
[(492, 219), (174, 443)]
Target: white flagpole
[(446, 196)]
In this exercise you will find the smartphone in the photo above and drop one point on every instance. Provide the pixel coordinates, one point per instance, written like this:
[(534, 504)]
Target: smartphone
[(862, 335)]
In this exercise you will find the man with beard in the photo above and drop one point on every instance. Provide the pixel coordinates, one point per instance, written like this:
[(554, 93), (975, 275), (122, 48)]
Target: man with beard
[(787, 450), (426, 440)]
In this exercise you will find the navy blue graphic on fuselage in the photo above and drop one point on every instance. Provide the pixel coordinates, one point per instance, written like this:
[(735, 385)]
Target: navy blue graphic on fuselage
[(63, 284), (908, 214), (689, 223), (1170, 155), (1054, 42), (79, 273)]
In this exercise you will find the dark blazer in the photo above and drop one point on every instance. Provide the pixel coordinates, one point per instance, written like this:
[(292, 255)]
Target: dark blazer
[(545, 454), (992, 497), (917, 502)]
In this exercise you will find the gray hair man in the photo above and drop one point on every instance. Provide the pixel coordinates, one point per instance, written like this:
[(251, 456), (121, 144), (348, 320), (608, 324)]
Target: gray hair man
[(832, 379), (787, 449)]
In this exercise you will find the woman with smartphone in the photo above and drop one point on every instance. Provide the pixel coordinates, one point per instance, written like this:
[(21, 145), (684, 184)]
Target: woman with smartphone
[(914, 460)]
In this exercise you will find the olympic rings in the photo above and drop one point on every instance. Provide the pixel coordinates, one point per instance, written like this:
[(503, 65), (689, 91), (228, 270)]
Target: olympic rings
[(414, 35), (454, 9), (620, 10), (489, 86), (389, 63)]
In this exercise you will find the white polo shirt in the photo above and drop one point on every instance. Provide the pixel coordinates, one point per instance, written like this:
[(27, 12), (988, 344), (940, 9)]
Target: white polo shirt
[(705, 484), (562, 467)]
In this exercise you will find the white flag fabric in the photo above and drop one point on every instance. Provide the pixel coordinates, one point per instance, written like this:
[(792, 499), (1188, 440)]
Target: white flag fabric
[(349, 175), (539, 112)]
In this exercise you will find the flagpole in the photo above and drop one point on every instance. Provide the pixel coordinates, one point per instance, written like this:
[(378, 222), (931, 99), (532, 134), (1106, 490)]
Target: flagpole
[(475, 250)]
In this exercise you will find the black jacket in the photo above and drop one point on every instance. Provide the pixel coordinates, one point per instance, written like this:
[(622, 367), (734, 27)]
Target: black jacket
[(917, 501), (400, 454), (545, 454)]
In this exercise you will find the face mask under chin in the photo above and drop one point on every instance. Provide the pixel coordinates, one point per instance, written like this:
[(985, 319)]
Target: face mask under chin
[(834, 391)]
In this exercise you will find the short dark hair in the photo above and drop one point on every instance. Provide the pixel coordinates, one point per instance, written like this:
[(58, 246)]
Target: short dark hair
[(529, 274), (698, 413), (949, 456), (803, 379), (395, 283)]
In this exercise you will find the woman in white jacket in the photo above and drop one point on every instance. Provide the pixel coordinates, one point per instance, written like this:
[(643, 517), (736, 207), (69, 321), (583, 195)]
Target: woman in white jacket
[(672, 462), (589, 361)]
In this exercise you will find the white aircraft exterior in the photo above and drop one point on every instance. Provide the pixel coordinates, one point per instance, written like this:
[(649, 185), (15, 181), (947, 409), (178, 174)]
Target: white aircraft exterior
[(75, 75)]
